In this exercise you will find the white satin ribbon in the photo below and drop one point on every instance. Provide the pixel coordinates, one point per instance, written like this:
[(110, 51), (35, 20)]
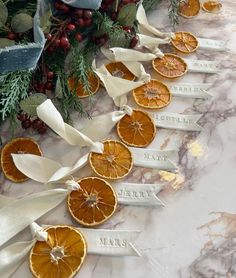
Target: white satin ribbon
[(29, 208), (48, 113), (152, 44), (13, 255), (147, 29), (45, 170)]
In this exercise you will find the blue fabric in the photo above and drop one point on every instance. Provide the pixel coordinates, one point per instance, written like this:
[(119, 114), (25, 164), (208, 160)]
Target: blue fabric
[(84, 4), (22, 57)]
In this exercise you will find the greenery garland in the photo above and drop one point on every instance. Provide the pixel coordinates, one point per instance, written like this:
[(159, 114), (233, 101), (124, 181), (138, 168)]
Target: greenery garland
[(17, 86)]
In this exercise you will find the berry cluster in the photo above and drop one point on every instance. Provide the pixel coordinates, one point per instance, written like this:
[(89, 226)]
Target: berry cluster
[(71, 22), (48, 85), (36, 123)]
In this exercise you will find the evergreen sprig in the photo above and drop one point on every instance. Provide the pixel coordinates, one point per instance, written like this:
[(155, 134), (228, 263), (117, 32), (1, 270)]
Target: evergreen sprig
[(150, 4), (13, 88), (173, 12)]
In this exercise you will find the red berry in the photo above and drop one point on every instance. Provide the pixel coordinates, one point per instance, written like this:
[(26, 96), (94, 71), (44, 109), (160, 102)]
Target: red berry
[(133, 42), (104, 7), (108, 2), (70, 27), (22, 117), (78, 37), (57, 5), (125, 2), (50, 75), (87, 14), (113, 16), (26, 124), (36, 124), (48, 36), (51, 49), (66, 9), (126, 29), (102, 41), (42, 129), (78, 12), (81, 22), (88, 21), (39, 87), (48, 86), (11, 36), (64, 43), (57, 43)]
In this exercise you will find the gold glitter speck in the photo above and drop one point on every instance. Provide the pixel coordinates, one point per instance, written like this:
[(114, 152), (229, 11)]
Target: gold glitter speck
[(195, 148)]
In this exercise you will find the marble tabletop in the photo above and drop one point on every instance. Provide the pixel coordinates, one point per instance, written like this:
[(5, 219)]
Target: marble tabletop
[(194, 235)]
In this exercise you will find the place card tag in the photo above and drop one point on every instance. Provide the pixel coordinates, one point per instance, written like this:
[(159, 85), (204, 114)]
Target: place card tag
[(156, 159), (177, 121), (209, 44), (202, 66), (188, 90), (137, 194), (111, 242)]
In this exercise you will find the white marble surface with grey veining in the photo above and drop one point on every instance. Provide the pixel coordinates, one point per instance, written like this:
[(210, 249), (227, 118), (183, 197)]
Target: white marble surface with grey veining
[(194, 235)]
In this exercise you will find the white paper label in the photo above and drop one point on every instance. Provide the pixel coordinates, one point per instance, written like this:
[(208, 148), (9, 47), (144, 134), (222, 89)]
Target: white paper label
[(202, 66), (138, 194), (111, 242), (212, 44), (188, 90), (177, 121), (155, 159)]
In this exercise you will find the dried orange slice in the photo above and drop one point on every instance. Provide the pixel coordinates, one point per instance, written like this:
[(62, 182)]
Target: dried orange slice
[(137, 130), (115, 162), (170, 66), (189, 8), (185, 42), (93, 203), (118, 69), (153, 95), (78, 86), (60, 256), (211, 6), (17, 146)]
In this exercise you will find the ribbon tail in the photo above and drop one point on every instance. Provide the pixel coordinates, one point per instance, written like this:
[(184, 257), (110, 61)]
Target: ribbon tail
[(36, 167), (13, 256), (105, 122), (30, 209), (145, 28), (4, 201), (51, 116)]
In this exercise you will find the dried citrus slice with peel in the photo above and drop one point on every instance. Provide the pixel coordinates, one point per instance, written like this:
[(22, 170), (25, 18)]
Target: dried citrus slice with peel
[(93, 203), (118, 69), (211, 6), (189, 8), (60, 256), (153, 95), (185, 42), (79, 88), (137, 130), (115, 162), (170, 66), (17, 146)]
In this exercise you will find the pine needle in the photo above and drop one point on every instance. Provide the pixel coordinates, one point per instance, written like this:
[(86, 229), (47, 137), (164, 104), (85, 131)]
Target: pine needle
[(14, 88), (173, 12)]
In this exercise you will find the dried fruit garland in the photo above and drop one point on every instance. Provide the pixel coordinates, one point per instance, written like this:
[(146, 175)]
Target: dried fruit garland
[(74, 36)]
